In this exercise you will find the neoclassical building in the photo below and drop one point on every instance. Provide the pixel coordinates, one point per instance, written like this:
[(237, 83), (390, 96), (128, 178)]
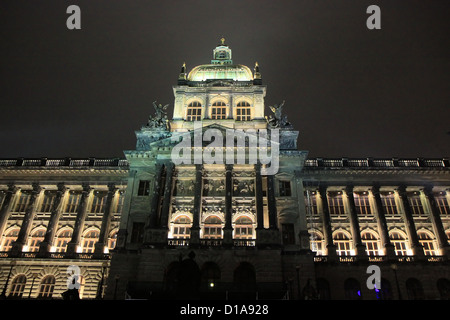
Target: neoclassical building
[(198, 209)]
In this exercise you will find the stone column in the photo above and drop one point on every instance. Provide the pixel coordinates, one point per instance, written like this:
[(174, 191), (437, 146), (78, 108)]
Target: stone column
[(231, 107), (259, 198), (359, 247), (326, 220), (436, 221), (167, 196), (106, 221), (207, 108), (301, 225), (79, 221), (152, 218), (44, 247), (27, 222), (228, 228), (381, 221), (409, 222), (195, 229), (5, 210), (122, 234), (271, 203)]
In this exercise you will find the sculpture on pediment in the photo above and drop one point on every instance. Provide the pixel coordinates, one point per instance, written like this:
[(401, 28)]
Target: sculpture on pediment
[(159, 120)]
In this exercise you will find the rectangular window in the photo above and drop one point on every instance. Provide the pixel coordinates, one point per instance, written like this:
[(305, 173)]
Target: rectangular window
[(144, 188), (99, 202), (137, 234), (218, 113), (285, 188), (311, 203), (362, 203), (243, 114), (21, 203), (416, 204), (119, 205), (73, 202), (194, 114), (442, 204), (47, 202), (389, 205), (335, 203)]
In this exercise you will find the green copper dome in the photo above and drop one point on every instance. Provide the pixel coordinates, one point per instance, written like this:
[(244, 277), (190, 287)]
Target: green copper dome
[(221, 67)]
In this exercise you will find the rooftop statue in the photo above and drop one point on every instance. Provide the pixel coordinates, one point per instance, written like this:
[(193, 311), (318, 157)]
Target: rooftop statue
[(278, 120), (160, 119)]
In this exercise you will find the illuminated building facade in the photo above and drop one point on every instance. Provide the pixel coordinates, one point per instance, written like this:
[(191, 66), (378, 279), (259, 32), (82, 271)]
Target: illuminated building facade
[(149, 227)]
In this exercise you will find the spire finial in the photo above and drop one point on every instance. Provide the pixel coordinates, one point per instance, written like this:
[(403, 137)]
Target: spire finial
[(222, 40)]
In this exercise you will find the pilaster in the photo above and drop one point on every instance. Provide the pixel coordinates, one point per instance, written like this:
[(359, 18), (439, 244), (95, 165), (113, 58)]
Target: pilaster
[(79, 220), (44, 247), (27, 221)]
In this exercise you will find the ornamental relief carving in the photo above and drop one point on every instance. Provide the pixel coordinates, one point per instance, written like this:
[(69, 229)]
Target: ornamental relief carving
[(208, 211), (243, 187), (183, 188), (247, 211), (181, 211), (213, 187)]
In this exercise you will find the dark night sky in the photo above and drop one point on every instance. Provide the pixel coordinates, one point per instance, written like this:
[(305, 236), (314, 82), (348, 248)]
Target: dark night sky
[(350, 91)]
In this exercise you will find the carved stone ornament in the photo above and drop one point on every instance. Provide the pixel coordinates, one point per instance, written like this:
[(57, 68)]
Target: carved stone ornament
[(159, 120), (278, 120)]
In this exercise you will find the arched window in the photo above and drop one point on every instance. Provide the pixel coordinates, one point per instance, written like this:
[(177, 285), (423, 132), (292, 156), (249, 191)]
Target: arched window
[(428, 243), (342, 243), (212, 228), (62, 239), (35, 240), (316, 243), (243, 228), (414, 289), (352, 289), (194, 111), (243, 111), (385, 293), (219, 110), (399, 242), (47, 286), (210, 275), (18, 286), (371, 243), (9, 238), (244, 277), (323, 289), (182, 227), (89, 240)]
